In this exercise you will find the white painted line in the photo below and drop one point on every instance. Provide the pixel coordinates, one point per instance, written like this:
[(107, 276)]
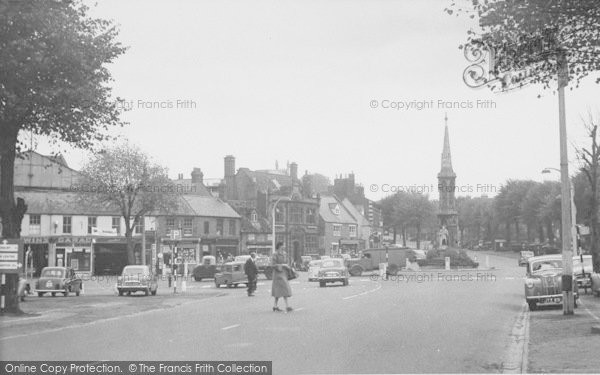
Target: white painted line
[(300, 309), (207, 286), (230, 327), (509, 278), (363, 293), (589, 312)]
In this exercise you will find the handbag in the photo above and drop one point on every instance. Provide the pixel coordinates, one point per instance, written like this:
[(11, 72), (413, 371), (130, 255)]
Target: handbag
[(291, 274)]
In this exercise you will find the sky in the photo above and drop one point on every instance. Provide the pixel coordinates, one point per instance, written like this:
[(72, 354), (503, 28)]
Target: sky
[(313, 82)]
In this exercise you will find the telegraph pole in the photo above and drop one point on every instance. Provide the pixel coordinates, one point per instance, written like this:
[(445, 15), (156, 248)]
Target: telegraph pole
[(567, 251)]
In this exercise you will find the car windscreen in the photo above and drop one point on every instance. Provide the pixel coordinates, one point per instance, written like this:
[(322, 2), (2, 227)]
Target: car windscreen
[(315, 263), (331, 263), (544, 265), (134, 271), (53, 273)]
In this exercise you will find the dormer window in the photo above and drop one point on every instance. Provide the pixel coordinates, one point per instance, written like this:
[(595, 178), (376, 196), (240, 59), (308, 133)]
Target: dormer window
[(254, 217), (335, 208)]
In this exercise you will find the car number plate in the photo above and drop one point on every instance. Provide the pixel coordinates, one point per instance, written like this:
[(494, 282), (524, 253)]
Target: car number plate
[(48, 284)]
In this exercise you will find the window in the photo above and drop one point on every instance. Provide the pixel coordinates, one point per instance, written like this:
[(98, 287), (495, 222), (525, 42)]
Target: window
[(187, 227), (34, 224), (137, 226), (219, 227), (295, 215), (352, 229), (279, 214), (254, 217), (67, 221), (337, 229), (116, 224), (232, 227), (310, 216), (206, 227), (311, 244), (170, 224), (92, 220)]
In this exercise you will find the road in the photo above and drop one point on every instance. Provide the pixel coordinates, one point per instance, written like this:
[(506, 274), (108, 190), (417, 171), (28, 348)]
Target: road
[(434, 323)]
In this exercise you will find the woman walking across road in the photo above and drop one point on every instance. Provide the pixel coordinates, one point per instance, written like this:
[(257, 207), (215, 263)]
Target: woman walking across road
[(281, 286)]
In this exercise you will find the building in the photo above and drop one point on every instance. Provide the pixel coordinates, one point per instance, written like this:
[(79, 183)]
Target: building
[(364, 226), (205, 225), (264, 196), (346, 188), (340, 230), (447, 214)]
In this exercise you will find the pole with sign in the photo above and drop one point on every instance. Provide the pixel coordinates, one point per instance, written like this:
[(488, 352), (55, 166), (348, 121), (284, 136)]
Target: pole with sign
[(11, 251)]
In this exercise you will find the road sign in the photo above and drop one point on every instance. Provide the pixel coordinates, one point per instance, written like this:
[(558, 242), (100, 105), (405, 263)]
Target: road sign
[(175, 235), (10, 251)]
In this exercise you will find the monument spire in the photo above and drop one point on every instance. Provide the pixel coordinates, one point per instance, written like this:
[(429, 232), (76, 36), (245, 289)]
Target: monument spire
[(446, 155)]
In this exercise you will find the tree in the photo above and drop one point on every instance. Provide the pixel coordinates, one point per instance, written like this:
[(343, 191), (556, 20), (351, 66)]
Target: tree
[(590, 167), (419, 212), (125, 177), (529, 36), (54, 83)]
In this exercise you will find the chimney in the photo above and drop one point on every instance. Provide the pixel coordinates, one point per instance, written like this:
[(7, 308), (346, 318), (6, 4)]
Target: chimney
[(229, 166), (197, 176), (294, 171)]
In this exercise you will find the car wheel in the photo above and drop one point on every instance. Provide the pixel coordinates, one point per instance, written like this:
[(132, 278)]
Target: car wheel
[(197, 278), (356, 270), (229, 285), (345, 282), (575, 303), (53, 294), (154, 292), (146, 292), (217, 285), (322, 284), (66, 294), (40, 294), (129, 293), (120, 293), (22, 298), (235, 285), (77, 292), (532, 305)]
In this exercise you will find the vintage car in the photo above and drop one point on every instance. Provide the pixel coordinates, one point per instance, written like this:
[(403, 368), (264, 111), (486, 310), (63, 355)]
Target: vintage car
[(137, 278), (582, 271), (596, 284), (331, 271), (207, 269), (232, 274), (543, 283), (313, 270), (58, 280), (524, 255)]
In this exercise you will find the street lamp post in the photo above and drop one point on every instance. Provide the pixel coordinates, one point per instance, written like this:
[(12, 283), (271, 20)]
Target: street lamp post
[(273, 226)]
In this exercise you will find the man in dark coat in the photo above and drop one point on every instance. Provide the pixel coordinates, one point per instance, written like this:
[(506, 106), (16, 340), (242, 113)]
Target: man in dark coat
[(251, 271)]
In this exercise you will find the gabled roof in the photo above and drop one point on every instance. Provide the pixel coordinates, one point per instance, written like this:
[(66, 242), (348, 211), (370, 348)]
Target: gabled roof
[(209, 206), (327, 214), (261, 225), (55, 202), (186, 186), (361, 220), (266, 181)]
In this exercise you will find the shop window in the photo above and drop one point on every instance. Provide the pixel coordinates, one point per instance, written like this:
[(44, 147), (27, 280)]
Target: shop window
[(116, 224), (337, 230), (206, 227), (219, 227)]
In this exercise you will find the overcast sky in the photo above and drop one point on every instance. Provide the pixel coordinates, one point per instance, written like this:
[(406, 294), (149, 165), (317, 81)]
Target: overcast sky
[(295, 81)]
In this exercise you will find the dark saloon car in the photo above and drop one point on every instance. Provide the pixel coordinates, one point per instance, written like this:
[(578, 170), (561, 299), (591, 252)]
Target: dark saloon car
[(137, 278), (58, 280), (331, 271), (543, 283), (207, 269)]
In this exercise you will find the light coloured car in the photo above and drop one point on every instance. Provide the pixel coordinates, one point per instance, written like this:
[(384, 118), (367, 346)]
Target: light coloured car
[(232, 274), (55, 280), (313, 270), (333, 270), (583, 271), (137, 278), (543, 283)]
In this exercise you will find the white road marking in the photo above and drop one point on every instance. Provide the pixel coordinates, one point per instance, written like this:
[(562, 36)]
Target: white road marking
[(230, 327), (363, 293), (509, 278), (589, 312), (300, 309), (207, 286)]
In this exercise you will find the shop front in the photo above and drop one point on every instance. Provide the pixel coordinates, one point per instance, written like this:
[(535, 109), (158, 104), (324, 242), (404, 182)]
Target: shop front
[(60, 251)]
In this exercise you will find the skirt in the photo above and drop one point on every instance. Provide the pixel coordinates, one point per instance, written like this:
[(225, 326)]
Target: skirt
[(281, 286)]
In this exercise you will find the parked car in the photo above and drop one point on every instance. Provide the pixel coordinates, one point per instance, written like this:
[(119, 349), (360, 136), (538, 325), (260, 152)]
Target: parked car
[(232, 274), (333, 270), (313, 270), (58, 280), (207, 269), (525, 254), (137, 278), (543, 283), (596, 284), (583, 271)]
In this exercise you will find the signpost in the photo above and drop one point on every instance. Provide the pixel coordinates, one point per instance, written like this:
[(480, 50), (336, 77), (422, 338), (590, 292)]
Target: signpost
[(11, 251)]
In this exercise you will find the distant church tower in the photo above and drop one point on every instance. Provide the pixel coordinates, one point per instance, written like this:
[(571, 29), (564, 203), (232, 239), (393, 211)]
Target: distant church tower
[(447, 215)]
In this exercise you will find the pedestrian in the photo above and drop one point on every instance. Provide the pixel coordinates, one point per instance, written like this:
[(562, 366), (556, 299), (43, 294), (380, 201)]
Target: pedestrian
[(251, 271), (280, 286)]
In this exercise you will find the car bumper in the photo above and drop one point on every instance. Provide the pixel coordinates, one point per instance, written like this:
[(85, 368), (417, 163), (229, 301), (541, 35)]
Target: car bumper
[(131, 288), (551, 299), (331, 279), (61, 290)]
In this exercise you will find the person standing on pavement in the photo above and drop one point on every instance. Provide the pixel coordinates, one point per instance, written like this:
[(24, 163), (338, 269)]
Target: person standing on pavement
[(251, 271), (281, 286)]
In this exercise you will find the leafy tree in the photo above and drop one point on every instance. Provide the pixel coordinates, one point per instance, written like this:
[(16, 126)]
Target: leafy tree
[(419, 211), (54, 83), (590, 168), (124, 177), (534, 34)]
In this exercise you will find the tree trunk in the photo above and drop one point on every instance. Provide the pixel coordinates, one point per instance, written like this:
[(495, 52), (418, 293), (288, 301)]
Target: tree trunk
[(517, 231), (130, 245), (540, 230), (11, 213), (418, 236), (404, 236), (507, 225), (395, 234)]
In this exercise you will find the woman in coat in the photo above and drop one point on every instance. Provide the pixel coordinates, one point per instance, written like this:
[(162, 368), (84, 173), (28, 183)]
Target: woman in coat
[(281, 286)]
